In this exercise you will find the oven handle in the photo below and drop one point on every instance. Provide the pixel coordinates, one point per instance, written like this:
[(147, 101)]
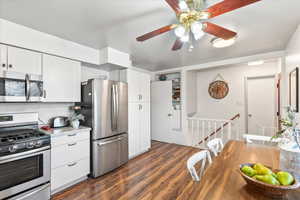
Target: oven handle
[(25, 196), (26, 154), (27, 85)]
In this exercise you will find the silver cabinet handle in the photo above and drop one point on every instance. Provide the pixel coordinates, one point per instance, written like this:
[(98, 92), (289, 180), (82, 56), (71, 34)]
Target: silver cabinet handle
[(44, 94), (140, 107), (71, 135), (72, 164), (72, 144)]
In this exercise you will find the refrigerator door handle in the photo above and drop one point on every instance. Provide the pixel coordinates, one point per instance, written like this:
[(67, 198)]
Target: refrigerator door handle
[(113, 108)]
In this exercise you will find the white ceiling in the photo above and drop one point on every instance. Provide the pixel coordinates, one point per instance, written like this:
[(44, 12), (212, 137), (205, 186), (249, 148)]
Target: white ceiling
[(262, 27)]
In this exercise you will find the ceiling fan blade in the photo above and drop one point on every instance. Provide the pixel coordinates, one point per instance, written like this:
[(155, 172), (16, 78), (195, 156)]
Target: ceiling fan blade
[(177, 45), (156, 33), (218, 31), (174, 5), (227, 6)]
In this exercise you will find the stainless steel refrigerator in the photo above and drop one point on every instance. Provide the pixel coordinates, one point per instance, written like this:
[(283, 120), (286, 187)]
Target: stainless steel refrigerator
[(105, 107)]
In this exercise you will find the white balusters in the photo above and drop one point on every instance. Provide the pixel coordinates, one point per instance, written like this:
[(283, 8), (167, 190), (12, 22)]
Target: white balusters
[(201, 129)]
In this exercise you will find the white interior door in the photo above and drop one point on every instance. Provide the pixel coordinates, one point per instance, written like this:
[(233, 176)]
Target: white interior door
[(161, 110), (261, 100)]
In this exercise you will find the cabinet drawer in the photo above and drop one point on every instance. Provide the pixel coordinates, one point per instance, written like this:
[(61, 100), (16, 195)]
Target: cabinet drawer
[(69, 173), (70, 138), (67, 153)]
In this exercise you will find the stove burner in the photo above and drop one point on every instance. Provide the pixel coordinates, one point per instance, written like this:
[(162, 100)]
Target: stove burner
[(20, 135)]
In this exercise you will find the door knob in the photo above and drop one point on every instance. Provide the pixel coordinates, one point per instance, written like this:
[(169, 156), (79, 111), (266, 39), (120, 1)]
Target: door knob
[(249, 115), (3, 65), (169, 115)]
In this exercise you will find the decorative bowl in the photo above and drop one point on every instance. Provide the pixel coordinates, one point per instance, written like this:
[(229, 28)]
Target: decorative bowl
[(268, 189)]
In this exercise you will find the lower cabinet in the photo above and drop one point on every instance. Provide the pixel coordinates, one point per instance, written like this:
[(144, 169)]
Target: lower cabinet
[(70, 158), (138, 128)]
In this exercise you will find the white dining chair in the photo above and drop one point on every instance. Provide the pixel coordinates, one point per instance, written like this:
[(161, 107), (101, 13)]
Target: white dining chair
[(215, 146), (194, 159), (250, 138)]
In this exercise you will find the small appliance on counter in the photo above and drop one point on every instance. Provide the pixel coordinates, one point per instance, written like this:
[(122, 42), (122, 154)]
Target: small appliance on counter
[(59, 122), (24, 158)]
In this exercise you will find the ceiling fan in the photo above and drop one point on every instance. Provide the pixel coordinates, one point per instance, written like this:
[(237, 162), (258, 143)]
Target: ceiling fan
[(191, 15)]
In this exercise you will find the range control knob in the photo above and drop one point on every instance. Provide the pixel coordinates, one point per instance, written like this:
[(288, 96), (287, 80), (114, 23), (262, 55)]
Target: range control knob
[(30, 145), (13, 148), (39, 143)]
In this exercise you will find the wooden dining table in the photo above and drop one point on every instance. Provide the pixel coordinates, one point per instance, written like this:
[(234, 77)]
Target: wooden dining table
[(222, 181)]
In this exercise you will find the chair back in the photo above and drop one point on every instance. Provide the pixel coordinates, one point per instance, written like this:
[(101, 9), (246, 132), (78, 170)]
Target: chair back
[(194, 159), (215, 146)]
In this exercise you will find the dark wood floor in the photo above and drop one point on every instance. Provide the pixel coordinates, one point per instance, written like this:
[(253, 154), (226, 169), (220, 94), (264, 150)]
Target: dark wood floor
[(158, 174)]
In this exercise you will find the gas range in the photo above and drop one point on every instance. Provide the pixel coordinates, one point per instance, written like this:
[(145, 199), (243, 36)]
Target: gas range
[(20, 140), (24, 158)]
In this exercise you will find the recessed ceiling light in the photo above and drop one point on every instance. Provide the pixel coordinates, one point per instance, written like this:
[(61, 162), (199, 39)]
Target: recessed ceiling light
[(221, 43), (258, 62)]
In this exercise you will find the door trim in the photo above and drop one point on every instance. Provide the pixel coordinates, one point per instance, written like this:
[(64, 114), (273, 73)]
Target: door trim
[(246, 78)]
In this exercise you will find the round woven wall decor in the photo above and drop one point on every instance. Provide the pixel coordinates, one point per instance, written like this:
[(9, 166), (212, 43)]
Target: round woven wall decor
[(218, 89)]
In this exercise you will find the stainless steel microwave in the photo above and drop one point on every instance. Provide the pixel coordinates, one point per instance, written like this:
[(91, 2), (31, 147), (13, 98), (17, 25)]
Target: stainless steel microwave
[(19, 87)]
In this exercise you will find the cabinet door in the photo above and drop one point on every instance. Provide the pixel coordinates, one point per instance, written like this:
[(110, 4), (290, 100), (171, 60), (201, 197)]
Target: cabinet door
[(24, 61), (3, 58), (133, 80), (61, 79), (144, 133), (133, 128), (144, 84)]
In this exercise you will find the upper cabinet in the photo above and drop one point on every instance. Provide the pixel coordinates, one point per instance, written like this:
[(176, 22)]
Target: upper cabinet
[(20, 60), (138, 86), (62, 79), (24, 61), (3, 58)]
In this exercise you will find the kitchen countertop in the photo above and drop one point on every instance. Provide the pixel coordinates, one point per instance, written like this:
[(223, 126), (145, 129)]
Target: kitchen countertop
[(65, 130)]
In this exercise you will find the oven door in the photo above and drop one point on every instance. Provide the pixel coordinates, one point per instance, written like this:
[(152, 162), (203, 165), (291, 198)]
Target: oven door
[(23, 171), (18, 87)]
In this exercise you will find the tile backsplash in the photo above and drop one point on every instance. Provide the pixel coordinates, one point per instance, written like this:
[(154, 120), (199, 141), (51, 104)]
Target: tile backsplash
[(45, 110)]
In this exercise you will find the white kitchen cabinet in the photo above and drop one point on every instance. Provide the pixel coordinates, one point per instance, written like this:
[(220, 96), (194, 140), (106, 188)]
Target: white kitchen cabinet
[(139, 128), (62, 79), (3, 58), (19, 60), (24, 61), (138, 86), (70, 157)]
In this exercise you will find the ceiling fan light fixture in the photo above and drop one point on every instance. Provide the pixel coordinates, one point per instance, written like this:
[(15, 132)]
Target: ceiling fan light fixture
[(199, 35), (183, 5), (221, 43), (179, 31), (186, 37), (196, 27)]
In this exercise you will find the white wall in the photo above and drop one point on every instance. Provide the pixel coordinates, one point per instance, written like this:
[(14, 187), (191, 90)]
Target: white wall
[(45, 110), (234, 103)]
